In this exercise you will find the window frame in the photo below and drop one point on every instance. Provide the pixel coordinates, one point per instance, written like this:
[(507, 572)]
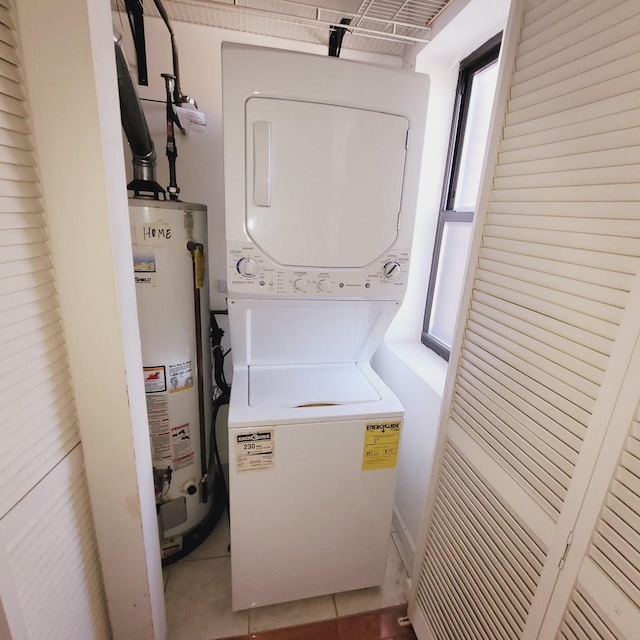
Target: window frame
[(477, 61)]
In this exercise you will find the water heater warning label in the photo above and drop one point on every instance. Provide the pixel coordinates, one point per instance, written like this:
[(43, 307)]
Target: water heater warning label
[(181, 446), (154, 379), (381, 442), (254, 450)]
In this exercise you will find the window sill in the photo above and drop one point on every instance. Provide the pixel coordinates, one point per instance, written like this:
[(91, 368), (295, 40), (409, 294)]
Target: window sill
[(429, 367)]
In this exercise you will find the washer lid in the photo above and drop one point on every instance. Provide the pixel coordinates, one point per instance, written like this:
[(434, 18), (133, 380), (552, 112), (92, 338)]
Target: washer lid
[(324, 182), (309, 385)]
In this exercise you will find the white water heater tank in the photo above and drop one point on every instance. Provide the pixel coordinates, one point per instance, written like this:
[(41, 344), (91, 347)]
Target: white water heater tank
[(170, 286)]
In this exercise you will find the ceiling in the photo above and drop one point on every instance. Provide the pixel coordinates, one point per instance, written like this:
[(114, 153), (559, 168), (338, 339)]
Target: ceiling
[(378, 26)]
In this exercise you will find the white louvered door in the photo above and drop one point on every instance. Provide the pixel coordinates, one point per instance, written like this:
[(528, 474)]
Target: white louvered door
[(605, 602), (50, 575), (548, 333)]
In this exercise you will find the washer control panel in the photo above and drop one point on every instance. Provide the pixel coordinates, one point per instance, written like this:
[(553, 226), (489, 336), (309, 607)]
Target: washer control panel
[(250, 272)]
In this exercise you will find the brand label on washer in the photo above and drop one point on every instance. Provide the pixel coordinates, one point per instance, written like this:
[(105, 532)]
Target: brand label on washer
[(381, 441), (254, 450)]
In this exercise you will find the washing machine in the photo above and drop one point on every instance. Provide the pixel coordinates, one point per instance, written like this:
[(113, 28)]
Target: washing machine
[(322, 159)]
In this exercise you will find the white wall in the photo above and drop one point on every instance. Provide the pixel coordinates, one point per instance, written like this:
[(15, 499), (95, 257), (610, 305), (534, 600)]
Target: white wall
[(415, 373)]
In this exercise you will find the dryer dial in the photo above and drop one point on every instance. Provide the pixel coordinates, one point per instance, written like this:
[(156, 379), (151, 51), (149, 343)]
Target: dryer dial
[(247, 267), (391, 270)]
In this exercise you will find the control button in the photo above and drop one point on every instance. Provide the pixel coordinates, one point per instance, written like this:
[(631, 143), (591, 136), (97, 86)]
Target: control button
[(247, 267), (324, 285), (391, 270), (300, 284)]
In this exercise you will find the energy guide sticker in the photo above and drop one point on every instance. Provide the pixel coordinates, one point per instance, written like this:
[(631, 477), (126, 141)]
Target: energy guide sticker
[(381, 442), (254, 450)]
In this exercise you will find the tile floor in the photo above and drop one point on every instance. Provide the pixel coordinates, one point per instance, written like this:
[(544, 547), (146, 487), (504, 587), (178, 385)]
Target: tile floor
[(198, 596), (378, 625)]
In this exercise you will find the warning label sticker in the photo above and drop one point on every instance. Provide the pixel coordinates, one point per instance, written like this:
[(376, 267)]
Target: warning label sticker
[(381, 442), (180, 376), (154, 379), (158, 414), (160, 447), (181, 446), (254, 450)]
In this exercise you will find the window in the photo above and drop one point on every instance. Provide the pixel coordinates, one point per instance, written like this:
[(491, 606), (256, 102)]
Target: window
[(474, 98)]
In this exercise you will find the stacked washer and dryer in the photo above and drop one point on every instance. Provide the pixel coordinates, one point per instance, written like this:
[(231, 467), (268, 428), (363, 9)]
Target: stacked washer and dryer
[(322, 159)]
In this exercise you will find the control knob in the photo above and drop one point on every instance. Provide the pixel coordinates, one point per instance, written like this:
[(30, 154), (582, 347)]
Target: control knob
[(392, 270), (300, 284), (324, 284), (247, 267)]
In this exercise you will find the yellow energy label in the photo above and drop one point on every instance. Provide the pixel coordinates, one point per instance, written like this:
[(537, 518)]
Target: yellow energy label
[(381, 442)]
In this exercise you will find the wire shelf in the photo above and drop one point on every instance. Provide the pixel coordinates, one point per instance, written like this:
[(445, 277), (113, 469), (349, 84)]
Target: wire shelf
[(377, 26)]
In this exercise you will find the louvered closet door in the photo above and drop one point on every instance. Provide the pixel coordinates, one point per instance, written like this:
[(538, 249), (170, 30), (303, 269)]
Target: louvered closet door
[(605, 604), (50, 582), (559, 251), (35, 390)]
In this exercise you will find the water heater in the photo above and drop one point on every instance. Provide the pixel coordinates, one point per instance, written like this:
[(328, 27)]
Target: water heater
[(169, 253)]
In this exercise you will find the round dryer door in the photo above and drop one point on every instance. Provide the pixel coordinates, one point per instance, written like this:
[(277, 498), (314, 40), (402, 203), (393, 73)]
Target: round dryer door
[(324, 182)]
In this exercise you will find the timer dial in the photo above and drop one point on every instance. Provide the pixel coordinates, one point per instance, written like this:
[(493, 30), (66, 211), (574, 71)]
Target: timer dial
[(392, 270), (247, 267)]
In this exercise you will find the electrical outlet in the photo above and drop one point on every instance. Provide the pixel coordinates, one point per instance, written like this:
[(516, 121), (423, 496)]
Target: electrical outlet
[(222, 286)]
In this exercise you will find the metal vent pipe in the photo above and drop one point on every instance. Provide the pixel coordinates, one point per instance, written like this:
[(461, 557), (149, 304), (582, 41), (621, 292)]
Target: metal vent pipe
[(135, 127)]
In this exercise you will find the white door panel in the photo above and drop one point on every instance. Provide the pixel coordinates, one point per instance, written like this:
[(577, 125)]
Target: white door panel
[(324, 182)]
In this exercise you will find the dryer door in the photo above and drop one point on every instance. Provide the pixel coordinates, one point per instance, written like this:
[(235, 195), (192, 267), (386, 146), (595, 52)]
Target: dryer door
[(324, 182)]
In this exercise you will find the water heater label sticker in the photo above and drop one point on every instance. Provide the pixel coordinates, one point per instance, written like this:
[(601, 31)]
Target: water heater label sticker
[(254, 450), (153, 234), (181, 446), (144, 259), (158, 415), (160, 448), (154, 379), (381, 442), (180, 376)]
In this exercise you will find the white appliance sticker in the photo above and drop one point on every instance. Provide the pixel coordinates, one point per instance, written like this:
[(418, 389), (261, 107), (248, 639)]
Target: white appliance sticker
[(181, 446), (254, 450), (144, 265), (154, 379), (180, 376), (144, 259)]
